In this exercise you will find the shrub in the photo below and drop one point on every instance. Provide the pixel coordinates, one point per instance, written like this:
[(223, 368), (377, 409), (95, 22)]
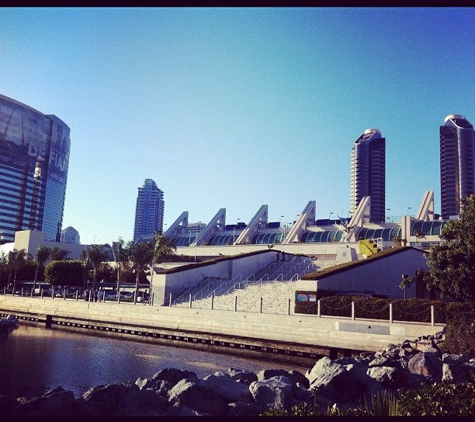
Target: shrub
[(460, 337), (442, 399)]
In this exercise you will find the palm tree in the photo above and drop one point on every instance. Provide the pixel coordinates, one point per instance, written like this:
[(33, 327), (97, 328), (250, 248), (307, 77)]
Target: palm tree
[(16, 261), (163, 246), (96, 254), (58, 254), (121, 255), (141, 254), (42, 255)]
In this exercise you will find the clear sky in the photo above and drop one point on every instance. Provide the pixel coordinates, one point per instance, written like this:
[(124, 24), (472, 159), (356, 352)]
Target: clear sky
[(238, 107)]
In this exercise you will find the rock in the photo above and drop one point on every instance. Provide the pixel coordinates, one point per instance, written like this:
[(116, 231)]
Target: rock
[(294, 376), (174, 375), (392, 351), (181, 411), (299, 378), (387, 376), (455, 372), (347, 360), (427, 345), (57, 402), (146, 383), (226, 388), (191, 394), (340, 383), (273, 393), (100, 400), (251, 409), (451, 358), (245, 377), (426, 364), (141, 403), (269, 373), (383, 361)]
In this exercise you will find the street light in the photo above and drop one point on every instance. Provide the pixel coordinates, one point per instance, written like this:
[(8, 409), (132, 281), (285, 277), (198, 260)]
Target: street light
[(408, 208)]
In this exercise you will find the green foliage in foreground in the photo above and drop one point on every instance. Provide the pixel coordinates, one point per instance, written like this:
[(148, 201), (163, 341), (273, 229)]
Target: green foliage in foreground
[(441, 399)]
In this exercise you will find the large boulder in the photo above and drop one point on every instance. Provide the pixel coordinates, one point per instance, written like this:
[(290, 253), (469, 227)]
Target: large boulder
[(57, 402), (100, 400), (387, 376), (159, 386), (226, 388), (426, 364), (143, 402), (174, 375), (193, 395), (340, 383), (295, 376), (273, 393), (246, 377)]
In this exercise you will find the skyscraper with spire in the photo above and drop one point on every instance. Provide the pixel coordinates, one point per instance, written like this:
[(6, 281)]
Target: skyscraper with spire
[(457, 163), (368, 173), (149, 211)]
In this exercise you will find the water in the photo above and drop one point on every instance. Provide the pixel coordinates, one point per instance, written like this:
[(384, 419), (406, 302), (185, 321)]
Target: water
[(34, 360)]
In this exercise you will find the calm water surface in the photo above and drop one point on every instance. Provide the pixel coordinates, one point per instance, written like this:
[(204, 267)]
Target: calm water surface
[(33, 360)]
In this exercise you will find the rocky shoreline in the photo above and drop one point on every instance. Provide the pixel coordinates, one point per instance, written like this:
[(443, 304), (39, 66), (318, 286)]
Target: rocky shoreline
[(175, 392)]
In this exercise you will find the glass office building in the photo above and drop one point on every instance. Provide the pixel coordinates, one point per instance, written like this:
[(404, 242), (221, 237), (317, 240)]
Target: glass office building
[(457, 163), (149, 211), (34, 159), (368, 173)]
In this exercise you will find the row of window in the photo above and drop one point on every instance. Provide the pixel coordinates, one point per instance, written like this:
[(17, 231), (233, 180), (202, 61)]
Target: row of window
[(427, 228)]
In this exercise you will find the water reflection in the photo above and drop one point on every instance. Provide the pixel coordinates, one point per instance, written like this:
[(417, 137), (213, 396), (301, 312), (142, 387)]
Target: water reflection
[(34, 360)]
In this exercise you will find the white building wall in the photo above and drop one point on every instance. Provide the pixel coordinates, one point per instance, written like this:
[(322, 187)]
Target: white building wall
[(382, 276), (175, 283)]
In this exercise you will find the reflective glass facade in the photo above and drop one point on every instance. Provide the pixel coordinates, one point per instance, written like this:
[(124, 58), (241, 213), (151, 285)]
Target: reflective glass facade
[(149, 211), (457, 163), (386, 234), (34, 160), (321, 236), (428, 228), (267, 238), (368, 173)]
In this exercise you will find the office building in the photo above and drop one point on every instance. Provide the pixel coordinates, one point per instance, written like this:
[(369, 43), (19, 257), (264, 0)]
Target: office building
[(149, 211), (34, 158), (368, 174), (457, 162)]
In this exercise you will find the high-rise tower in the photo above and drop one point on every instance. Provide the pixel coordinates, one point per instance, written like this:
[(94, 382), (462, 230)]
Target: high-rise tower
[(457, 163), (148, 211), (368, 173), (34, 159)]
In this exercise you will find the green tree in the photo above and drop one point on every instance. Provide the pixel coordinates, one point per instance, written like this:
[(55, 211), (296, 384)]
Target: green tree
[(95, 255), (451, 262), (4, 269), (16, 261), (163, 247), (121, 254), (41, 256), (58, 254), (64, 273), (141, 255)]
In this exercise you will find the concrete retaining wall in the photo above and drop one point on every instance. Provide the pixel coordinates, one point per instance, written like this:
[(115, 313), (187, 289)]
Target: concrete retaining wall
[(298, 332)]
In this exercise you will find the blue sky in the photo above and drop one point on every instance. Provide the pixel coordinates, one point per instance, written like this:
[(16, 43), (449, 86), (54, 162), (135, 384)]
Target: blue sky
[(238, 107)]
